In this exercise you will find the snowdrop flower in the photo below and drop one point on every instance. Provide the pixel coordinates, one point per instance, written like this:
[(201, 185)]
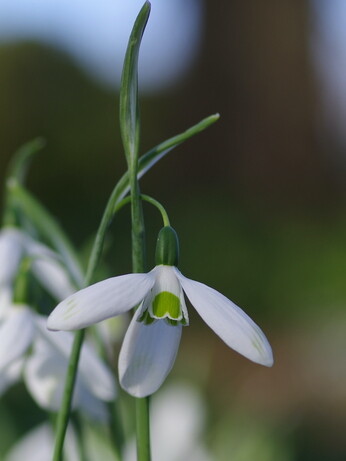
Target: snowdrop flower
[(152, 339), (45, 368), (21, 329)]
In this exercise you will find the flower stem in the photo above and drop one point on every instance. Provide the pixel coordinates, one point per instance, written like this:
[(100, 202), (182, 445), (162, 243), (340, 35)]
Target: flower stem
[(130, 133), (138, 231), (64, 412), (138, 263), (160, 208), (143, 429)]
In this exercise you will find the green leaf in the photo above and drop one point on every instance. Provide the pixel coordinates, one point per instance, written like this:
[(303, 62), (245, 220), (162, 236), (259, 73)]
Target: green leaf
[(20, 161), (48, 227), (16, 171), (129, 108)]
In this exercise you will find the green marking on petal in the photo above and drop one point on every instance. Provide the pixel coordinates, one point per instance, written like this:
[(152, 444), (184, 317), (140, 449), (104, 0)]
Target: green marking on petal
[(166, 304), (70, 310), (257, 344), (146, 318), (174, 323)]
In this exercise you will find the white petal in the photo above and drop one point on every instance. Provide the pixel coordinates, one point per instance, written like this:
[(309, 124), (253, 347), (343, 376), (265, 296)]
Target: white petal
[(11, 249), (166, 281), (16, 333), (100, 301), (37, 249), (94, 374), (44, 375), (53, 277), (228, 321), (11, 374), (92, 407), (147, 355), (6, 296), (48, 269)]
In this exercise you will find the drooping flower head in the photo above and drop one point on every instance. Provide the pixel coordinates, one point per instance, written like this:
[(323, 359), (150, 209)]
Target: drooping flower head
[(151, 342), (27, 348)]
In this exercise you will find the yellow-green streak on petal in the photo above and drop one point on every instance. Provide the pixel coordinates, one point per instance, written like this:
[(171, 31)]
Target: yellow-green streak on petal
[(166, 304), (70, 311)]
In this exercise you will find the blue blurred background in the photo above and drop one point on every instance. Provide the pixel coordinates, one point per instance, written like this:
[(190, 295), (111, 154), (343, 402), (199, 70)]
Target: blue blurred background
[(258, 200)]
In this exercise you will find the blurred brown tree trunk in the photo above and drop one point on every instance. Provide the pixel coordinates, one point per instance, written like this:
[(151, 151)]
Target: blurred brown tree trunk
[(255, 69)]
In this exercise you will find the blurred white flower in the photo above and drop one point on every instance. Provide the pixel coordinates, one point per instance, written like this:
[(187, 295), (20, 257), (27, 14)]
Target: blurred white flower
[(177, 426), (44, 369), (45, 263), (11, 251), (38, 445)]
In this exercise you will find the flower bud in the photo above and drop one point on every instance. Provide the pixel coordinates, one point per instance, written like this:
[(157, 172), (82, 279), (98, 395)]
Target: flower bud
[(167, 247)]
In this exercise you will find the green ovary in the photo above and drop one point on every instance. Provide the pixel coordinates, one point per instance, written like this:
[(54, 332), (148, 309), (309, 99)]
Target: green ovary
[(166, 304)]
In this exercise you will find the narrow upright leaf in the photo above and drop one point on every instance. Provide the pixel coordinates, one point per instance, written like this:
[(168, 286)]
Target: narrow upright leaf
[(19, 164), (129, 109), (48, 227)]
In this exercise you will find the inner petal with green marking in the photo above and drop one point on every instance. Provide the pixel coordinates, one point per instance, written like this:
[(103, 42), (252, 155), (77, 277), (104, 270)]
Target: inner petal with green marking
[(165, 300), (166, 305)]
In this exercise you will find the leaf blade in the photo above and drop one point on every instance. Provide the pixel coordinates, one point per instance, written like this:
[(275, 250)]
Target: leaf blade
[(129, 108)]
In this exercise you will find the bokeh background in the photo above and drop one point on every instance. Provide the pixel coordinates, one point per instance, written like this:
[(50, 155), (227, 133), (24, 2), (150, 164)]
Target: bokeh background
[(258, 199)]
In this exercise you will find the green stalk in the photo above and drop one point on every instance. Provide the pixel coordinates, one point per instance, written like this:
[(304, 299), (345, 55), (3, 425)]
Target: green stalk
[(64, 412), (143, 429), (138, 230), (130, 131), (138, 263)]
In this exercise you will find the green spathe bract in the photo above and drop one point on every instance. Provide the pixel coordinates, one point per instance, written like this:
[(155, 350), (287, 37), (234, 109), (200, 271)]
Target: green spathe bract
[(167, 247)]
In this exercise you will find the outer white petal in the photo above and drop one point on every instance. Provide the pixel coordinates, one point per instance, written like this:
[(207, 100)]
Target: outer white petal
[(228, 321), (11, 249), (95, 375), (92, 372), (44, 375), (37, 249), (48, 269), (100, 301), (6, 296), (16, 333), (147, 355), (53, 277)]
